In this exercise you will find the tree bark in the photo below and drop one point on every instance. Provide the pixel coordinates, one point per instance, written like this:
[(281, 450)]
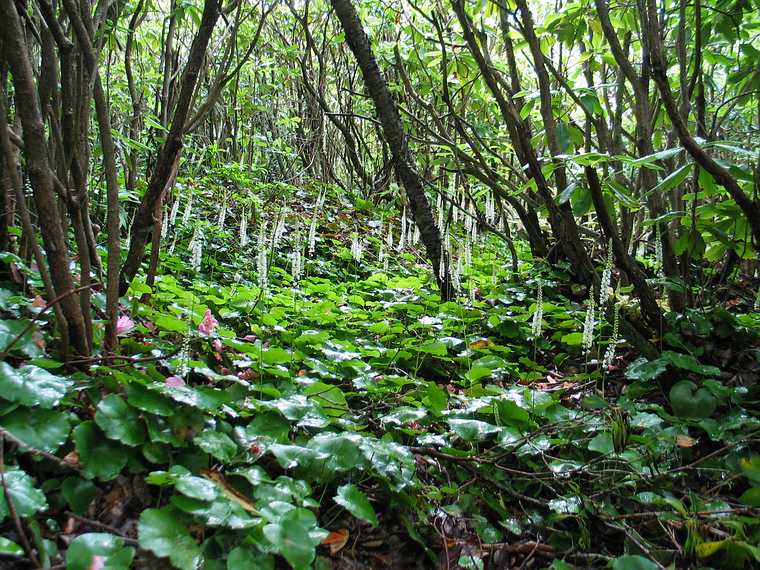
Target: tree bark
[(40, 175), (171, 150), (393, 131)]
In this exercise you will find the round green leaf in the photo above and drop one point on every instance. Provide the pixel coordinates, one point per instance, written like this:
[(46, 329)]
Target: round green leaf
[(78, 493), (10, 547), (356, 502), (46, 430), (120, 421), (27, 499), (99, 456), (249, 558), (105, 548), (196, 487), (292, 539), (217, 444), (161, 532), (32, 386), (689, 402)]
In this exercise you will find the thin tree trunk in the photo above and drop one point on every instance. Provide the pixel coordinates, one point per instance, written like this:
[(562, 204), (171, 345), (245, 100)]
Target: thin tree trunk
[(393, 130), (40, 175), (171, 150)]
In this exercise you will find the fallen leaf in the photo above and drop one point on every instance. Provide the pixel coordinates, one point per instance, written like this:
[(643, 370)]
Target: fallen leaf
[(480, 343), (229, 491), (336, 540), (685, 441)]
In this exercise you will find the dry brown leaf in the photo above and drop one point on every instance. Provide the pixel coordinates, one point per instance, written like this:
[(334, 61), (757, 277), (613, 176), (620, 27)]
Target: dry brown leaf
[(336, 540), (229, 491), (480, 343), (685, 441)]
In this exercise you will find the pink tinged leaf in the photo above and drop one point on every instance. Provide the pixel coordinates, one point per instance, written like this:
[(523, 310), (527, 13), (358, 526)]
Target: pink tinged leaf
[(174, 382), (38, 302), (124, 324), (249, 337), (98, 563), (208, 324)]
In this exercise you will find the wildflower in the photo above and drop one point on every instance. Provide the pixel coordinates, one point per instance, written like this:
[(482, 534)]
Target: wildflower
[(165, 225), (658, 251), (402, 235), (174, 212), (538, 314), (197, 251), (588, 325), (184, 358), (296, 268), (244, 228), (188, 210), (357, 247), (456, 274), (440, 211), (208, 324), (174, 382), (609, 354), (124, 324), (279, 231), (604, 289), (261, 257), (416, 235)]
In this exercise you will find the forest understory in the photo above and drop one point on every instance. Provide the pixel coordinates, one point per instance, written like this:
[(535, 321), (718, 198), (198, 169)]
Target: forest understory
[(365, 285)]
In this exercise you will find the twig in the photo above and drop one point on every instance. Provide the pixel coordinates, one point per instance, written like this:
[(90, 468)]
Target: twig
[(34, 451), (102, 526), (12, 508)]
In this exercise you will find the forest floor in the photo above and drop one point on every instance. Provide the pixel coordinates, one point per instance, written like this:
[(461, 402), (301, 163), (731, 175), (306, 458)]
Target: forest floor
[(354, 420)]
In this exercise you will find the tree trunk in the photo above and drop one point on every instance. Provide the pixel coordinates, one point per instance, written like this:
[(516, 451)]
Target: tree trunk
[(393, 131), (40, 175), (171, 150)]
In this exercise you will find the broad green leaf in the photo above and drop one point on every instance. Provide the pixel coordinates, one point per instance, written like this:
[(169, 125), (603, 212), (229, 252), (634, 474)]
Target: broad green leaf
[(120, 421), (78, 493), (351, 498), (161, 532), (32, 386), (46, 430), (248, 558), (633, 562), (100, 457), (27, 499), (472, 430), (434, 347), (10, 329), (99, 550), (602, 443), (10, 547), (292, 538), (690, 402), (196, 487), (217, 444)]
